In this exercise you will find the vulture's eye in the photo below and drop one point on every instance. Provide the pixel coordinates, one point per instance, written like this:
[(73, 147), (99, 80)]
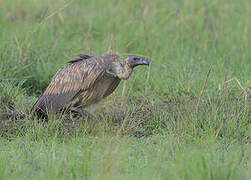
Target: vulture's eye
[(136, 58)]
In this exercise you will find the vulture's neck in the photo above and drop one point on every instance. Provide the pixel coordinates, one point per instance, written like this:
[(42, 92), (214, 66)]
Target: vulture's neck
[(123, 71)]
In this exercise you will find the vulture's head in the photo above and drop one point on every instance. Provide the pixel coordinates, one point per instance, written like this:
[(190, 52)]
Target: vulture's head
[(133, 61)]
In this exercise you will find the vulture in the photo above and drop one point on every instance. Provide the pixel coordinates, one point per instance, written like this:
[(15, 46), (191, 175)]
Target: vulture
[(84, 81)]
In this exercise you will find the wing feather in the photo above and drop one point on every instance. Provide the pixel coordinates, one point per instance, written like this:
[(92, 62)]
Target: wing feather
[(69, 81)]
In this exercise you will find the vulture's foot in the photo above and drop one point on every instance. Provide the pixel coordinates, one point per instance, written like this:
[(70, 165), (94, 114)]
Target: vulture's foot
[(82, 112)]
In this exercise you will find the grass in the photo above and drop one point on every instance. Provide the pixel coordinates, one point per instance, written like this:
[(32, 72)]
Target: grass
[(120, 158), (162, 123)]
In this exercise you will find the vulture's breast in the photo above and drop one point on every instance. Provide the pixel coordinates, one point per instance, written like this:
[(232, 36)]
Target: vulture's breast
[(102, 88)]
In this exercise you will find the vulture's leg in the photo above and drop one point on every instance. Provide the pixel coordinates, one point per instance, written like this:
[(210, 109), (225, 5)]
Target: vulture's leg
[(91, 109), (82, 112)]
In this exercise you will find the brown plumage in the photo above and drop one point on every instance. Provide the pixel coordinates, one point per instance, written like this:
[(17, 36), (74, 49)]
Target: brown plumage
[(84, 81)]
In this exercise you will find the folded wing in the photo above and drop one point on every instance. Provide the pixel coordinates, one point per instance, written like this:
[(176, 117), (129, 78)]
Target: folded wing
[(76, 77)]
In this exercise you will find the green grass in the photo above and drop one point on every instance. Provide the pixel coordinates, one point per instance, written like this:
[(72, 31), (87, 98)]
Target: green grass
[(120, 158), (159, 128)]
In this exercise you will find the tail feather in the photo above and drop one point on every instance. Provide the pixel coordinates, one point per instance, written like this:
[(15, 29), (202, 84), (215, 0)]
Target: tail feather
[(39, 109)]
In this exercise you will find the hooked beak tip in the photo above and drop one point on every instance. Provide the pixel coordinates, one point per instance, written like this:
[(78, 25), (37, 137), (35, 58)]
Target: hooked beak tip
[(145, 62)]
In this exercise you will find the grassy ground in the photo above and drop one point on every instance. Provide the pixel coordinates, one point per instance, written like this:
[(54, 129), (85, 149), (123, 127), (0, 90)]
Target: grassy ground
[(161, 123)]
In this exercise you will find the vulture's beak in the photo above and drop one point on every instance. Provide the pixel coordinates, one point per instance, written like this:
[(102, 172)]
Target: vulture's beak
[(143, 61)]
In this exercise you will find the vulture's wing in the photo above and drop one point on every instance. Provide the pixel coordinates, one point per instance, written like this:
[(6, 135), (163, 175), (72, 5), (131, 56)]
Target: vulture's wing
[(80, 58), (69, 81)]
